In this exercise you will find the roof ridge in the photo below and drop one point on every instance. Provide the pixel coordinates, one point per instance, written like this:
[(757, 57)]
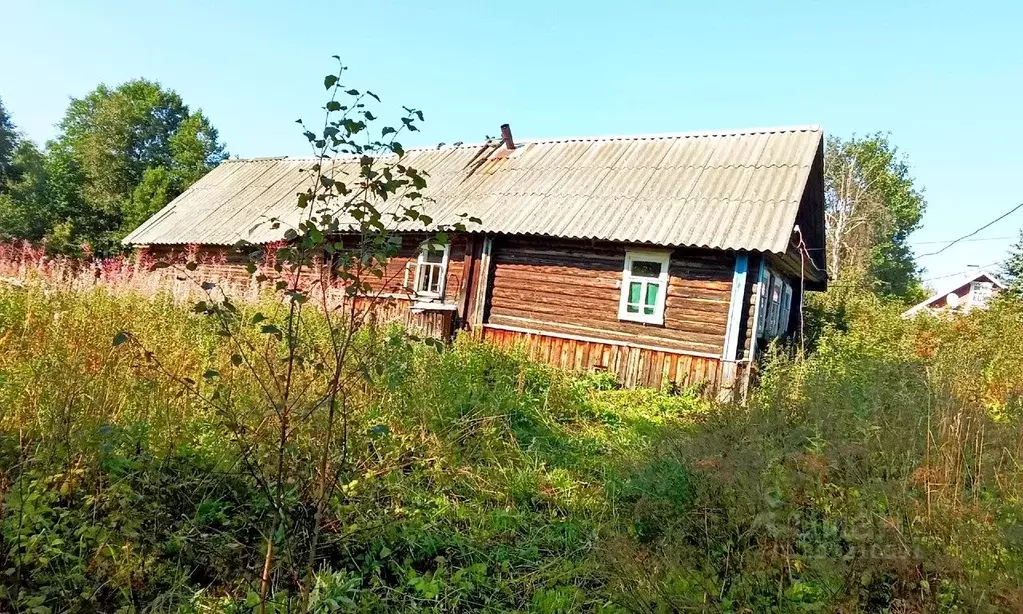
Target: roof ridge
[(256, 159), (676, 135), (572, 139)]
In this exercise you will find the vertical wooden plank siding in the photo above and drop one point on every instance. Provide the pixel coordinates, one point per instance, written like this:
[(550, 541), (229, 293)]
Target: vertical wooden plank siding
[(632, 366)]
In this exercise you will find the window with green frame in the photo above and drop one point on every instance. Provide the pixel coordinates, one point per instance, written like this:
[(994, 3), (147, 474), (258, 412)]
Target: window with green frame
[(644, 286)]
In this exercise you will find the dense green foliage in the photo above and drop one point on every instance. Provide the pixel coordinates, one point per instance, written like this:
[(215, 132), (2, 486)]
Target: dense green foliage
[(24, 193), (873, 206), (8, 141), (880, 474), (121, 154)]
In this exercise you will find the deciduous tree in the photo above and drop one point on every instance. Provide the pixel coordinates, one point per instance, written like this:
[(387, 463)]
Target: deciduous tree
[(872, 205), (135, 147), (116, 134), (8, 142), (24, 207), (195, 148)]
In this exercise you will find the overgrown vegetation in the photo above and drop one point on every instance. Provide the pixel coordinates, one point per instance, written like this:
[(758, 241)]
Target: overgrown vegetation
[(882, 473), (291, 454)]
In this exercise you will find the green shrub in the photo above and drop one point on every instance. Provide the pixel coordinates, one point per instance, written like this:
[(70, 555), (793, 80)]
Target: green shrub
[(879, 474)]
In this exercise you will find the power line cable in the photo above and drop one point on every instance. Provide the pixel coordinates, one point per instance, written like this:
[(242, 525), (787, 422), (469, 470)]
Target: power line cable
[(988, 225), (961, 240), (978, 239), (980, 268)]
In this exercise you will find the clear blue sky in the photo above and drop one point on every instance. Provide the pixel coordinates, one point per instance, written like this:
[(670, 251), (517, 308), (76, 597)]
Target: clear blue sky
[(945, 78)]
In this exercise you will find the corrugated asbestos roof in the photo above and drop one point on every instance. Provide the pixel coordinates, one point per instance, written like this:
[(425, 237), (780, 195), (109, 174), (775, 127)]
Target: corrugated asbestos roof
[(725, 190)]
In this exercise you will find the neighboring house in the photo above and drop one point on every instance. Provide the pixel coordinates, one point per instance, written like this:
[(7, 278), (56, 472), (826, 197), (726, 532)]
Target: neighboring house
[(664, 258), (964, 291)]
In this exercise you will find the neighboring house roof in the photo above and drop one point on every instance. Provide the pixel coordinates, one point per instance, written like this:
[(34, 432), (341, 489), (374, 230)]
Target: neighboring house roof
[(726, 190), (954, 283)]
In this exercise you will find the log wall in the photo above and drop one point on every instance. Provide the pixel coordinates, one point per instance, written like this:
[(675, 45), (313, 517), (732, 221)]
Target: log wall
[(217, 263), (394, 273), (226, 266), (558, 299), (573, 287)]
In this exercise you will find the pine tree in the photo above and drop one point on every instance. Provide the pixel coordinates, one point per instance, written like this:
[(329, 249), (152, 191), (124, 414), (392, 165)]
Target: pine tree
[(1012, 270)]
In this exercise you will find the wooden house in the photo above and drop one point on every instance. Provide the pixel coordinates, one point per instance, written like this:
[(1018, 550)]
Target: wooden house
[(960, 293), (663, 258)]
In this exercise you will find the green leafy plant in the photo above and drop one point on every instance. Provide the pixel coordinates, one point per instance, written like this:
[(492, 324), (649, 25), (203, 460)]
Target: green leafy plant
[(295, 441)]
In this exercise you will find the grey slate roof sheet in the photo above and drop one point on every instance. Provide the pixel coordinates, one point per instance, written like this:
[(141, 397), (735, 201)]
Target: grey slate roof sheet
[(725, 190)]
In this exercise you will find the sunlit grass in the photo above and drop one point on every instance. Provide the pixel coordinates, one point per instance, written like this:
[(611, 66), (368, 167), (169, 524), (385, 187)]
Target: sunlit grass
[(881, 472)]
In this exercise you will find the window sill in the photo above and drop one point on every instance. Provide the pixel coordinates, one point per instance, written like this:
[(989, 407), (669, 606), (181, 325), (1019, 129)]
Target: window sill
[(422, 305), (658, 322)]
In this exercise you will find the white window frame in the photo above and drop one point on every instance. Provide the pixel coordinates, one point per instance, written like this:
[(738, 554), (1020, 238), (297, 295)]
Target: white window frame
[(981, 292), (664, 259), (421, 262)]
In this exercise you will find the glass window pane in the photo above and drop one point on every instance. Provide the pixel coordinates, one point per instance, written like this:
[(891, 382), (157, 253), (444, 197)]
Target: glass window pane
[(632, 308), (423, 284), (433, 255), (651, 294), (775, 306), (648, 311), (776, 286), (786, 310), (645, 268), (762, 312), (429, 278), (635, 291)]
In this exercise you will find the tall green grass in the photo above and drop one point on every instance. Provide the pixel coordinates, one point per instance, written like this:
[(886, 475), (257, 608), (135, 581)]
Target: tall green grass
[(879, 474), (882, 473)]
